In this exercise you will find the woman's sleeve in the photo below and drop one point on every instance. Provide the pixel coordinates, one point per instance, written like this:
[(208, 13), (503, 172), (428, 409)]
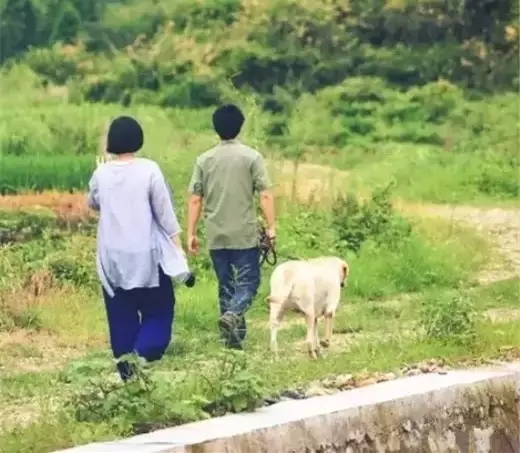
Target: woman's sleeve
[(162, 204), (93, 193)]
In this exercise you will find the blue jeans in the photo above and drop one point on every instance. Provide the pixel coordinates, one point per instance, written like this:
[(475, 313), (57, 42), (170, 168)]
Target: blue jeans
[(238, 275), (140, 321)]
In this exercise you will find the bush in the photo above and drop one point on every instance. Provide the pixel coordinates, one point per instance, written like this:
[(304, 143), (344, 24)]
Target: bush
[(66, 269), (362, 110), (449, 318), (375, 220), (149, 402), (57, 64)]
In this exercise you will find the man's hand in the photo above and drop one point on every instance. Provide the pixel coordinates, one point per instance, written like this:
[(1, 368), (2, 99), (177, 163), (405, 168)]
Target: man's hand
[(267, 205), (271, 235), (193, 244), (194, 208)]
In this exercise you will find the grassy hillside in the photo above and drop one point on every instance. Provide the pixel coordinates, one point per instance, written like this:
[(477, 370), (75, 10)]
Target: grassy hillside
[(398, 89)]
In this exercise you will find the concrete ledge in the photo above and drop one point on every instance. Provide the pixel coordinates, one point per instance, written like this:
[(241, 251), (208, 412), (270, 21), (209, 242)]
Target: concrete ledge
[(458, 412)]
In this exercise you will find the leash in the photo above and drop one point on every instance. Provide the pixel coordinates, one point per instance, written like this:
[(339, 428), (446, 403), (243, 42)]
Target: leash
[(268, 252), (267, 249)]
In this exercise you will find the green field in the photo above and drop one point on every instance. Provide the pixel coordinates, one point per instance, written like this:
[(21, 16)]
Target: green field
[(396, 156)]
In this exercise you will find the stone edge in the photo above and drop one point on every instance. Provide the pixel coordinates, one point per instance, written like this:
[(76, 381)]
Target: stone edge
[(282, 437)]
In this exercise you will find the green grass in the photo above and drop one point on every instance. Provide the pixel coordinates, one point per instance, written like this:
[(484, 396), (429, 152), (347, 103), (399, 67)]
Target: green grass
[(388, 339), (58, 349)]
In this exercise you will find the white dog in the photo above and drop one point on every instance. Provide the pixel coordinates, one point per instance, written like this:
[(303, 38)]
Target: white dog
[(311, 287)]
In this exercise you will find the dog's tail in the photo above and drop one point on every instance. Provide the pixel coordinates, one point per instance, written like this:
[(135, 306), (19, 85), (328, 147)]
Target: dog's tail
[(281, 286)]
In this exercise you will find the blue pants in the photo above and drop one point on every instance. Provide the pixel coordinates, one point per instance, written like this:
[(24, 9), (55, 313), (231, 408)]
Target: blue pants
[(140, 321), (238, 275)]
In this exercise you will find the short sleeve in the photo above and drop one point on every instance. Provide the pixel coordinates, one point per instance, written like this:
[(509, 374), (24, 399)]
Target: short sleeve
[(261, 179), (195, 187)]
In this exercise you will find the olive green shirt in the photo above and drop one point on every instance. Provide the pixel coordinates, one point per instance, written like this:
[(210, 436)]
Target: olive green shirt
[(227, 176)]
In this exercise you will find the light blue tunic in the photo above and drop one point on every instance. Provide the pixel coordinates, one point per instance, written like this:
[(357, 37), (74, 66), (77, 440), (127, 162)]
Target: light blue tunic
[(136, 222)]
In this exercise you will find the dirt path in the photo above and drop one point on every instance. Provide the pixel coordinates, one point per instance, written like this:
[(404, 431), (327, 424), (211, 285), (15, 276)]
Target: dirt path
[(500, 226)]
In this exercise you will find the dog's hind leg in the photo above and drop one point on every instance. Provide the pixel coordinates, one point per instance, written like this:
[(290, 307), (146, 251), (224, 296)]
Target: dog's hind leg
[(275, 317)]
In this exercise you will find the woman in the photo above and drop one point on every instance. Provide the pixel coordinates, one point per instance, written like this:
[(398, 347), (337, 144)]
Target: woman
[(138, 247)]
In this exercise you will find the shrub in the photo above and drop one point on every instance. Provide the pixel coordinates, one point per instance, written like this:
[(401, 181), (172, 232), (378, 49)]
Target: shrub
[(150, 402), (356, 222), (66, 269), (57, 63), (448, 318)]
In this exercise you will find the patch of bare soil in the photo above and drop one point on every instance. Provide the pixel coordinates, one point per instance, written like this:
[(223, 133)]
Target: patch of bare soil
[(66, 206), (22, 412), (30, 351), (19, 414), (498, 315)]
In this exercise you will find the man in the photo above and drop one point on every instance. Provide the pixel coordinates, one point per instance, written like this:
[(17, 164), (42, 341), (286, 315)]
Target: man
[(225, 179)]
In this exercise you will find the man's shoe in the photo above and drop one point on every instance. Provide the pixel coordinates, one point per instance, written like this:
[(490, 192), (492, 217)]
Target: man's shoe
[(228, 323)]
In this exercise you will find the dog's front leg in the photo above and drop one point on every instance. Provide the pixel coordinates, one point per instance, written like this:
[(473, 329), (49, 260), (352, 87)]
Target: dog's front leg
[(311, 335)]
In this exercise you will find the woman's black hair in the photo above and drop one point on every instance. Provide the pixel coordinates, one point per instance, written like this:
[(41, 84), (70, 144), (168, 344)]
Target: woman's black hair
[(125, 135)]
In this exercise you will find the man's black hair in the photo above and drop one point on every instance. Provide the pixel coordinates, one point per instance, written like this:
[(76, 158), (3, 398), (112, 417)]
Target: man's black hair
[(227, 121), (125, 135)]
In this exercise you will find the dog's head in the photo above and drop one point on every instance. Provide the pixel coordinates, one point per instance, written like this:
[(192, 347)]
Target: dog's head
[(344, 271)]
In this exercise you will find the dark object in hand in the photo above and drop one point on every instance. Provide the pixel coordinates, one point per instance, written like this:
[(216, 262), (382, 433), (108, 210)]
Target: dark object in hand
[(190, 281), (267, 248)]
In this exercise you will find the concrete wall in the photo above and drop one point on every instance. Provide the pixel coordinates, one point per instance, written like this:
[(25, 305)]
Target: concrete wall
[(457, 412)]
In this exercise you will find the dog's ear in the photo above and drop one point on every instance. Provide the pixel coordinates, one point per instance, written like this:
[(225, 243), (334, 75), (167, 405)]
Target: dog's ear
[(344, 270)]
